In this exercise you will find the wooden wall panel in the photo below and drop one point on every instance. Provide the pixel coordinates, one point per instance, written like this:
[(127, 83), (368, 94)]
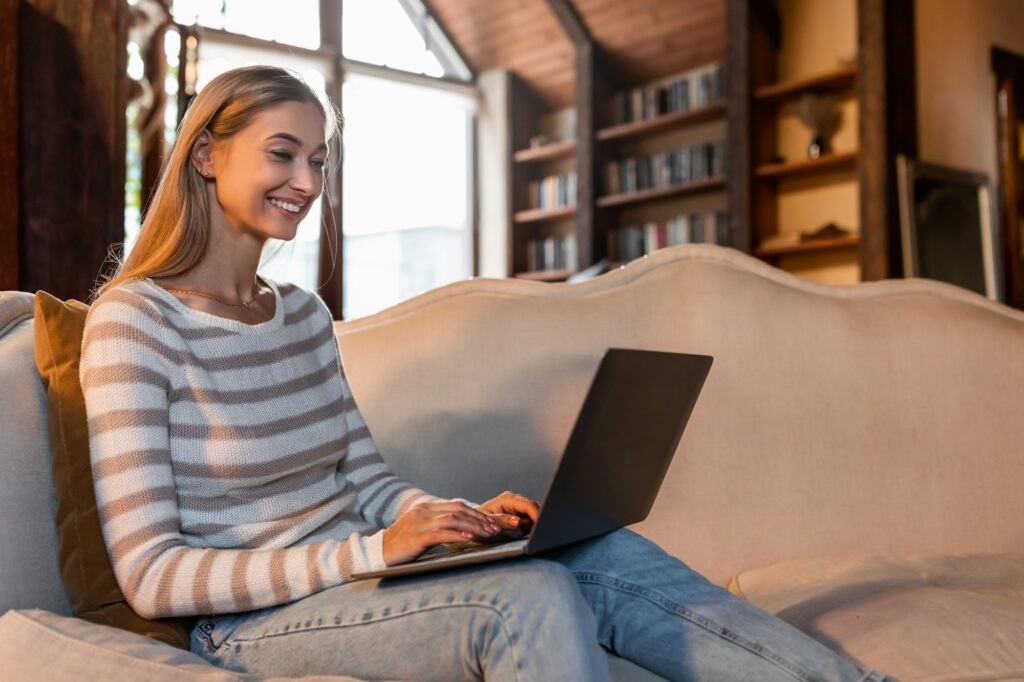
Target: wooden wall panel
[(72, 111), (9, 144)]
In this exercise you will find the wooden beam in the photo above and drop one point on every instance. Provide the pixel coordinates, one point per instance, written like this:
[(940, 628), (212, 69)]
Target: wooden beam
[(72, 92), (9, 145), (886, 91), (331, 275), (571, 21)]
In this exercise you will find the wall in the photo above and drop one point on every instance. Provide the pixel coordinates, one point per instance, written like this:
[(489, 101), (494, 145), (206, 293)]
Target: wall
[(491, 161), (955, 84)]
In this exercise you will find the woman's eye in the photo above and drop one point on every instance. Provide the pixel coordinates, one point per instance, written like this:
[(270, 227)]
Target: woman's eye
[(319, 164), (282, 155)]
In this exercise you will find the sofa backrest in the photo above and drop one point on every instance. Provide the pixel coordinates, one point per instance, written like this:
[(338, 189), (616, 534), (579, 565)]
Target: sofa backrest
[(29, 571), (881, 417)]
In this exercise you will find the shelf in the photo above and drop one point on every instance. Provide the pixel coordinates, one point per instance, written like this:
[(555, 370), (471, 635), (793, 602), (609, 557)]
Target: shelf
[(545, 275), (808, 246), (537, 214), (807, 166), (677, 119), (552, 150), (841, 79), (710, 185)]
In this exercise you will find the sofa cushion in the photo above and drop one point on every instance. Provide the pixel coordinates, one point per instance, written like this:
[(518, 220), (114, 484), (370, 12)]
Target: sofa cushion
[(38, 645), (922, 617), (29, 575), (84, 564)]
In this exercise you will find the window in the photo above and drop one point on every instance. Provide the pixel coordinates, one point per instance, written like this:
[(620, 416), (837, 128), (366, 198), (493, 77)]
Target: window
[(407, 213)]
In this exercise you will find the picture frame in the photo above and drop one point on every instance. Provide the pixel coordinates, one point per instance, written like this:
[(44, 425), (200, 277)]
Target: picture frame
[(948, 226)]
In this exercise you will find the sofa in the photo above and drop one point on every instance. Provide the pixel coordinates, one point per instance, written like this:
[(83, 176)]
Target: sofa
[(854, 465)]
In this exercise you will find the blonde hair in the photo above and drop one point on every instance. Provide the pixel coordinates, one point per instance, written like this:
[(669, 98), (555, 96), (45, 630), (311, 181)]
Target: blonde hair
[(176, 228)]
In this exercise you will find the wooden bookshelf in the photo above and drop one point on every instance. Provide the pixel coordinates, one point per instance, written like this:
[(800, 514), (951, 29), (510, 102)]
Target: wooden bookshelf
[(664, 122), (840, 79), (681, 189), (827, 162), (533, 215), (807, 246), (550, 151)]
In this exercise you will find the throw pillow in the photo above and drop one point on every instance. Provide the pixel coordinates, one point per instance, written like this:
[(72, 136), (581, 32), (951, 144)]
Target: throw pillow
[(85, 567)]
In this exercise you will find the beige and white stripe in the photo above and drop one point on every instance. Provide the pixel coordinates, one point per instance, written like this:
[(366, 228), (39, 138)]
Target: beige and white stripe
[(233, 469)]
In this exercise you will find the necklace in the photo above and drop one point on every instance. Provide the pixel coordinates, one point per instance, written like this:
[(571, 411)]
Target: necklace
[(243, 304)]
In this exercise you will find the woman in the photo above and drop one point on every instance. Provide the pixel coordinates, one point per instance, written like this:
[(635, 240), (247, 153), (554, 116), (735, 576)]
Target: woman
[(236, 479)]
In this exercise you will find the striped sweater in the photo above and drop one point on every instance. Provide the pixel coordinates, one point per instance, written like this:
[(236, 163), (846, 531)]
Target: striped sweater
[(232, 467)]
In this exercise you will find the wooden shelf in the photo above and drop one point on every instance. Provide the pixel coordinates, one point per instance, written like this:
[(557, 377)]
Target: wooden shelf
[(552, 150), (806, 247), (537, 214), (545, 275), (698, 187), (677, 119), (807, 166), (841, 79)]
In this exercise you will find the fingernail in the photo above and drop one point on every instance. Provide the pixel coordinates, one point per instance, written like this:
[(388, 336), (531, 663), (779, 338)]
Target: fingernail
[(515, 520)]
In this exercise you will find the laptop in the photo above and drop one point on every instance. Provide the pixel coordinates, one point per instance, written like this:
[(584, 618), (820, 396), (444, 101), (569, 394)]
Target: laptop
[(613, 465)]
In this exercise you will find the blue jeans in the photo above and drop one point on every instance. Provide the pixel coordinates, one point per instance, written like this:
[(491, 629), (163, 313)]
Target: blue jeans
[(547, 617)]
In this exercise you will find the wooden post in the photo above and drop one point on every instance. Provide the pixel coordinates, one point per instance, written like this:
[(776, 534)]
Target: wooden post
[(9, 144), (72, 92), (331, 278), (591, 246), (886, 92)]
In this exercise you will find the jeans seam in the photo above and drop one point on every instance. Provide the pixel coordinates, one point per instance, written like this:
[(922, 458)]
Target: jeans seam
[(392, 616), (663, 602)]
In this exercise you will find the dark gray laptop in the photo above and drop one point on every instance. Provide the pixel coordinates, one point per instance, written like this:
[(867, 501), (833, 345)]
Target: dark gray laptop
[(618, 453)]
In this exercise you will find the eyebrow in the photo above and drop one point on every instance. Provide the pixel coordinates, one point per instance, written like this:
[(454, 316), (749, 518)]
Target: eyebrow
[(293, 139)]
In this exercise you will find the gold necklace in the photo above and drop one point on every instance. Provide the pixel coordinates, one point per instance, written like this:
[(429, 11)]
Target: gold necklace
[(243, 304)]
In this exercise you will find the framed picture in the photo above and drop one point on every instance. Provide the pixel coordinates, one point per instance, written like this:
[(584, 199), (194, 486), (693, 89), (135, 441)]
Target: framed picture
[(948, 227)]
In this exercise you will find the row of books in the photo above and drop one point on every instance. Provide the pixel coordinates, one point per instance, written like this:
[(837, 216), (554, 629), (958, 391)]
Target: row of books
[(635, 241), (692, 90), (678, 166), (552, 253), (553, 191)]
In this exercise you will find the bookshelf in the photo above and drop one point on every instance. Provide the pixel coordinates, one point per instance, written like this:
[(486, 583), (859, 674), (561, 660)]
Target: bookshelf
[(767, 188), (859, 54), (543, 192)]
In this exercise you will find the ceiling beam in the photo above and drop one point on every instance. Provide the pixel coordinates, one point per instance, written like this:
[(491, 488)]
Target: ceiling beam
[(571, 21)]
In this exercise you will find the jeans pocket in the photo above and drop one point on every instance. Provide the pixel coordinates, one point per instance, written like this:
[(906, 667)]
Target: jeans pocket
[(213, 631)]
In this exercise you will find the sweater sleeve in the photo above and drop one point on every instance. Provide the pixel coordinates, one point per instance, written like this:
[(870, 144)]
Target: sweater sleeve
[(382, 497), (125, 371)]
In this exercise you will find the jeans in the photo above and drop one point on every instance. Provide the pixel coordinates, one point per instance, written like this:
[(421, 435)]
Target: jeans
[(546, 617)]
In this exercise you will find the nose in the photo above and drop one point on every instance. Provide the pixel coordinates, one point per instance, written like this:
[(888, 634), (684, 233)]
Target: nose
[(306, 180)]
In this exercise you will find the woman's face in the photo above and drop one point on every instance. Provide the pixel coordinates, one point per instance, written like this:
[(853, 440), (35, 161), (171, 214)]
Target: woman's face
[(269, 173)]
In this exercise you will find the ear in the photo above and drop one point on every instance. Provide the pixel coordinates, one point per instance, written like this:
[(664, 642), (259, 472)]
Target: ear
[(202, 153)]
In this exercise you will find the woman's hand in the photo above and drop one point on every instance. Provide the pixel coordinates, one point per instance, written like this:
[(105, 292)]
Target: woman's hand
[(434, 523), (512, 511)]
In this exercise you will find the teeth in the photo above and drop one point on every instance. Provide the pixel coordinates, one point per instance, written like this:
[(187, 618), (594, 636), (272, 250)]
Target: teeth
[(286, 206)]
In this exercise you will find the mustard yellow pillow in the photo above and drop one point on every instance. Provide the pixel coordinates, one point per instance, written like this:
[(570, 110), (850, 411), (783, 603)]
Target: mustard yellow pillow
[(84, 565)]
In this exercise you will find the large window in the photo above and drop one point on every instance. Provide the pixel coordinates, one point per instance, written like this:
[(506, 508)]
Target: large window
[(406, 178), (408, 158)]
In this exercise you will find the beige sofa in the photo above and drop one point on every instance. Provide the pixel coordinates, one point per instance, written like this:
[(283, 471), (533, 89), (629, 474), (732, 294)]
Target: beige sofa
[(855, 463)]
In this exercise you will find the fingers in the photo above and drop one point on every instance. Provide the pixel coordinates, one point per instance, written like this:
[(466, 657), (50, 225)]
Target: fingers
[(463, 519), (519, 505)]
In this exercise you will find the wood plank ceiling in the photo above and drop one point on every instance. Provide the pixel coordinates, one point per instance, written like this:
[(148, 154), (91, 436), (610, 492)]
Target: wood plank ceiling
[(642, 39)]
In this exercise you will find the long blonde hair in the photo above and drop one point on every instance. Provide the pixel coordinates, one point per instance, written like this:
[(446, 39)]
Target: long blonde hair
[(176, 228)]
